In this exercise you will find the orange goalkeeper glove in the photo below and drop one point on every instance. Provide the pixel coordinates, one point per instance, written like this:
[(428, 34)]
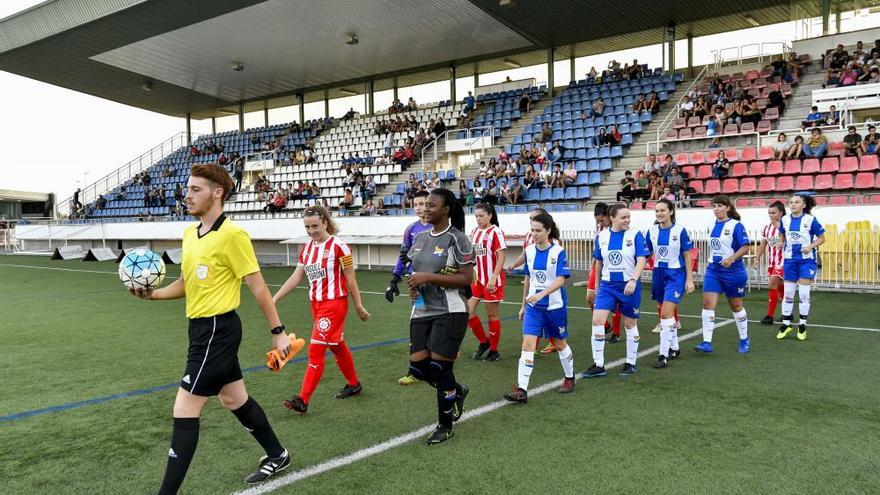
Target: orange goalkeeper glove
[(275, 362)]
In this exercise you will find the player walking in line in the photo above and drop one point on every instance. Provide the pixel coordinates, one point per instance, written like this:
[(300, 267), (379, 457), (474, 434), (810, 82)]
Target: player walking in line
[(771, 244), (620, 255), (489, 250), (402, 266), (327, 263), (726, 273), (612, 330), (544, 310), (217, 255), (802, 234), (442, 263), (671, 278)]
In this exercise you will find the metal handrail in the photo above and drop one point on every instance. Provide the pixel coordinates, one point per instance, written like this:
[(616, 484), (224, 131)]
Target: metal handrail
[(661, 142), (433, 143), (673, 113)]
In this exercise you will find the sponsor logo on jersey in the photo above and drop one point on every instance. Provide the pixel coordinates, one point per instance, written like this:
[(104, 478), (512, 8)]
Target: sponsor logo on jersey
[(615, 258), (716, 245), (315, 272), (439, 251), (480, 250), (663, 251), (541, 276)]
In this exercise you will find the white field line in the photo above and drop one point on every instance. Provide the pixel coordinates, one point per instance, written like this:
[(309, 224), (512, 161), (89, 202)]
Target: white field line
[(345, 460), (582, 308)]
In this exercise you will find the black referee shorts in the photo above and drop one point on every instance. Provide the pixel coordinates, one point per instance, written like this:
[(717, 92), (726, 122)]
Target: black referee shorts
[(212, 361), (440, 334)]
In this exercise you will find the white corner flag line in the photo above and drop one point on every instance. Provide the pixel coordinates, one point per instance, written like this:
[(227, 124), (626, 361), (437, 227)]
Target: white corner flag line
[(345, 460)]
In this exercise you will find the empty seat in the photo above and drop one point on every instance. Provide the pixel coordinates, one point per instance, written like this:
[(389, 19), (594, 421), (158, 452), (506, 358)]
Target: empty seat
[(785, 183), (838, 200), (764, 126), (748, 154), (729, 186), (681, 158), (739, 169), (712, 187), (765, 153), (774, 167), (868, 163), (803, 183), (848, 163), (829, 165), (697, 158), (864, 180), (766, 184), (696, 185), (748, 185), (757, 169), (731, 129), (823, 182), (843, 182), (792, 167), (704, 172), (811, 166)]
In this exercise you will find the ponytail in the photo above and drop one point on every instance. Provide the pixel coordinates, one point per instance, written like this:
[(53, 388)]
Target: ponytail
[(456, 212), (809, 201), (490, 210)]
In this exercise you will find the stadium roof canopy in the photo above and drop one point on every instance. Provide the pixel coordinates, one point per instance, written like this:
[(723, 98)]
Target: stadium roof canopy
[(177, 57)]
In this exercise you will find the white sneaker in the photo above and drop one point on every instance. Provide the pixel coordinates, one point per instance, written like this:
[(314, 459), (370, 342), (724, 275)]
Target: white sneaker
[(656, 329)]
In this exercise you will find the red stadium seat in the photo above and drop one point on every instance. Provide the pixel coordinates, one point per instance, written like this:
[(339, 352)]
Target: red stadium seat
[(748, 185), (872, 199), (747, 127), (878, 181), (700, 131), (764, 126), (762, 103), (864, 180), (785, 183), (704, 171), (730, 129), (739, 169), (803, 183), (704, 203), (748, 154), (843, 182), (650, 205), (849, 164), (635, 205), (679, 123), (868, 163), (731, 154), (685, 133), (671, 134), (765, 153), (821, 200), (824, 182), (835, 148), (689, 171), (757, 169), (743, 202), (792, 167), (713, 186), (759, 202), (712, 155), (830, 165), (696, 185), (774, 167), (766, 184), (693, 122), (681, 159), (811, 166), (697, 158), (729, 186), (771, 113), (838, 200)]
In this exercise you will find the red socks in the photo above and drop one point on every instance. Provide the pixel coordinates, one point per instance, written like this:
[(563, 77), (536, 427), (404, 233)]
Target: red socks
[(494, 334), (774, 300), (615, 322), (345, 362), (314, 371), (477, 327)]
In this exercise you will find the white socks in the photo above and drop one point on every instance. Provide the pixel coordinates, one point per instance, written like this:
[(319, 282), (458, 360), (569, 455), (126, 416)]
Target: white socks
[(674, 344), (708, 324), (632, 344), (667, 330), (598, 343), (567, 360), (526, 365), (742, 323), (788, 302), (803, 302)]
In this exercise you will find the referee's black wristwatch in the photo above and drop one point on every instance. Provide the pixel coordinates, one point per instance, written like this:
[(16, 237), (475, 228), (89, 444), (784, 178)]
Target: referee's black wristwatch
[(278, 329)]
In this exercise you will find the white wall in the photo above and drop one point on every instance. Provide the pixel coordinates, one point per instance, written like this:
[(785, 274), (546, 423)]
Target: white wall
[(816, 47)]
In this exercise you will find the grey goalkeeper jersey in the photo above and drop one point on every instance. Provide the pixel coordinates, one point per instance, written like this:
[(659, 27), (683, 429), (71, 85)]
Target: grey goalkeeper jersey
[(435, 253)]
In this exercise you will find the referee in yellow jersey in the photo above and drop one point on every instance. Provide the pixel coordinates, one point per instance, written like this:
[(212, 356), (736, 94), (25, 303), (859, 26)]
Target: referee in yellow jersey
[(217, 255)]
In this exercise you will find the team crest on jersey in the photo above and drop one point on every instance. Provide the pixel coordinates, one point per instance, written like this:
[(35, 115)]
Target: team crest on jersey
[(326, 255), (636, 311), (315, 272), (675, 238), (202, 272), (552, 261), (439, 251), (629, 242), (323, 324), (726, 231)]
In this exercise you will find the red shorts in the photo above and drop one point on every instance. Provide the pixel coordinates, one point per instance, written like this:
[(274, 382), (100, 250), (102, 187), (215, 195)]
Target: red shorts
[(329, 319), (591, 282), (774, 271), (478, 291)]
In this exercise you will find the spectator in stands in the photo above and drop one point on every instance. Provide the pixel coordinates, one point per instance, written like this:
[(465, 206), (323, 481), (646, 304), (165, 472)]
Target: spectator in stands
[(712, 130), (641, 104), (614, 136), (701, 108), (546, 175), (668, 165), (463, 193), (169, 171), (656, 186), (570, 174), (668, 195), (380, 207), (148, 197), (479, 191), (871, 143), (350, 114), (120, 196), (368, 209), (832, 77), (469, 103), (525, 102), (485, 170), (490, 194), (796, 150), (160, 195), (780, 147), (776, 99), (76, 202), (850, 75), (439, 128), (852, 142), (626, 187), (515, 192), (546, 133), (749, 111), (598, 108), (314, 190), (433, 182), (502, 155), (511, 169), (653, 102), (814, 118), (556, 153), (601, 138), (346, 202), (558, 177), (721, 167), (500, 169), (369, 189), (870, 77), (832, 117), (675, 181), (503, 191), (652, 165), (530, 180), (642, 187), (592, 75), (146, 179), (411, 104), (389, 143), (875, 51), (838, 57), (685, 108), (817, 145)]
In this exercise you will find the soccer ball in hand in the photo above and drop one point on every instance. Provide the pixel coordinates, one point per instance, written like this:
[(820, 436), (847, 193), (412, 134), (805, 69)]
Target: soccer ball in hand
[(142, 269)]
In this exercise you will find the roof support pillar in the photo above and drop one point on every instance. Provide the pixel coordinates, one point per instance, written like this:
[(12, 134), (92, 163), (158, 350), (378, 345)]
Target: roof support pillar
[(213, 125), (326, 103), (394, 89), (826, 17), (368, 97), (452, 83), (240, 116), (690, 55), (551, 78), (571, 67), (189, 140), (476, 75), (302, 107), (669, 42), (266, 113), (839, 9)]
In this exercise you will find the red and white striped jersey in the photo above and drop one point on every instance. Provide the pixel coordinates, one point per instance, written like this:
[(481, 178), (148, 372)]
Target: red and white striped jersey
[(774, 250), (323, 263), (487, 243)]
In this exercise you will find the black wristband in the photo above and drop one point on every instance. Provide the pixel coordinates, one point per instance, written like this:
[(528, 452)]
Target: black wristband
[(278, 329)]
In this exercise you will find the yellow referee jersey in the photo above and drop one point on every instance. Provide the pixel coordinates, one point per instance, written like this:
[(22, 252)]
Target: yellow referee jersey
[(213, 266)]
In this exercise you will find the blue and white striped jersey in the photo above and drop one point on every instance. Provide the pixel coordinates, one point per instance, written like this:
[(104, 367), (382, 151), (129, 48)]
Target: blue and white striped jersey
[(668, 245), (542, 268), (619, 252), (798, 232), (727, 238)]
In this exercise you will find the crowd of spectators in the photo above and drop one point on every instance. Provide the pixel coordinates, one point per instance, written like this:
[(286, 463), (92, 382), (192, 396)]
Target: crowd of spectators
[(862, 66), (658, 180)]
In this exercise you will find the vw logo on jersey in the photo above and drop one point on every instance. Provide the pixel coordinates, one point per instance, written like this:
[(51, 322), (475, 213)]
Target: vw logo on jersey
[(615, 258), (541, 276), (716, 245), (663, 251), (795, 236)]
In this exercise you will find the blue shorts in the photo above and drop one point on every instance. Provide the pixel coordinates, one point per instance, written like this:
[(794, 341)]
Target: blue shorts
[(730, 283), (544, 323), (667, 284), (872, 148), (611, 295), (793, 270)]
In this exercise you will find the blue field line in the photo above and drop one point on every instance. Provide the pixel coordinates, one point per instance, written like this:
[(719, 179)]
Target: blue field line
[(168, 386)]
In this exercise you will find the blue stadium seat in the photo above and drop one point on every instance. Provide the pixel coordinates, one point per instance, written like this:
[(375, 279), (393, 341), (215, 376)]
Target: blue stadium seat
[(583, 192)]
